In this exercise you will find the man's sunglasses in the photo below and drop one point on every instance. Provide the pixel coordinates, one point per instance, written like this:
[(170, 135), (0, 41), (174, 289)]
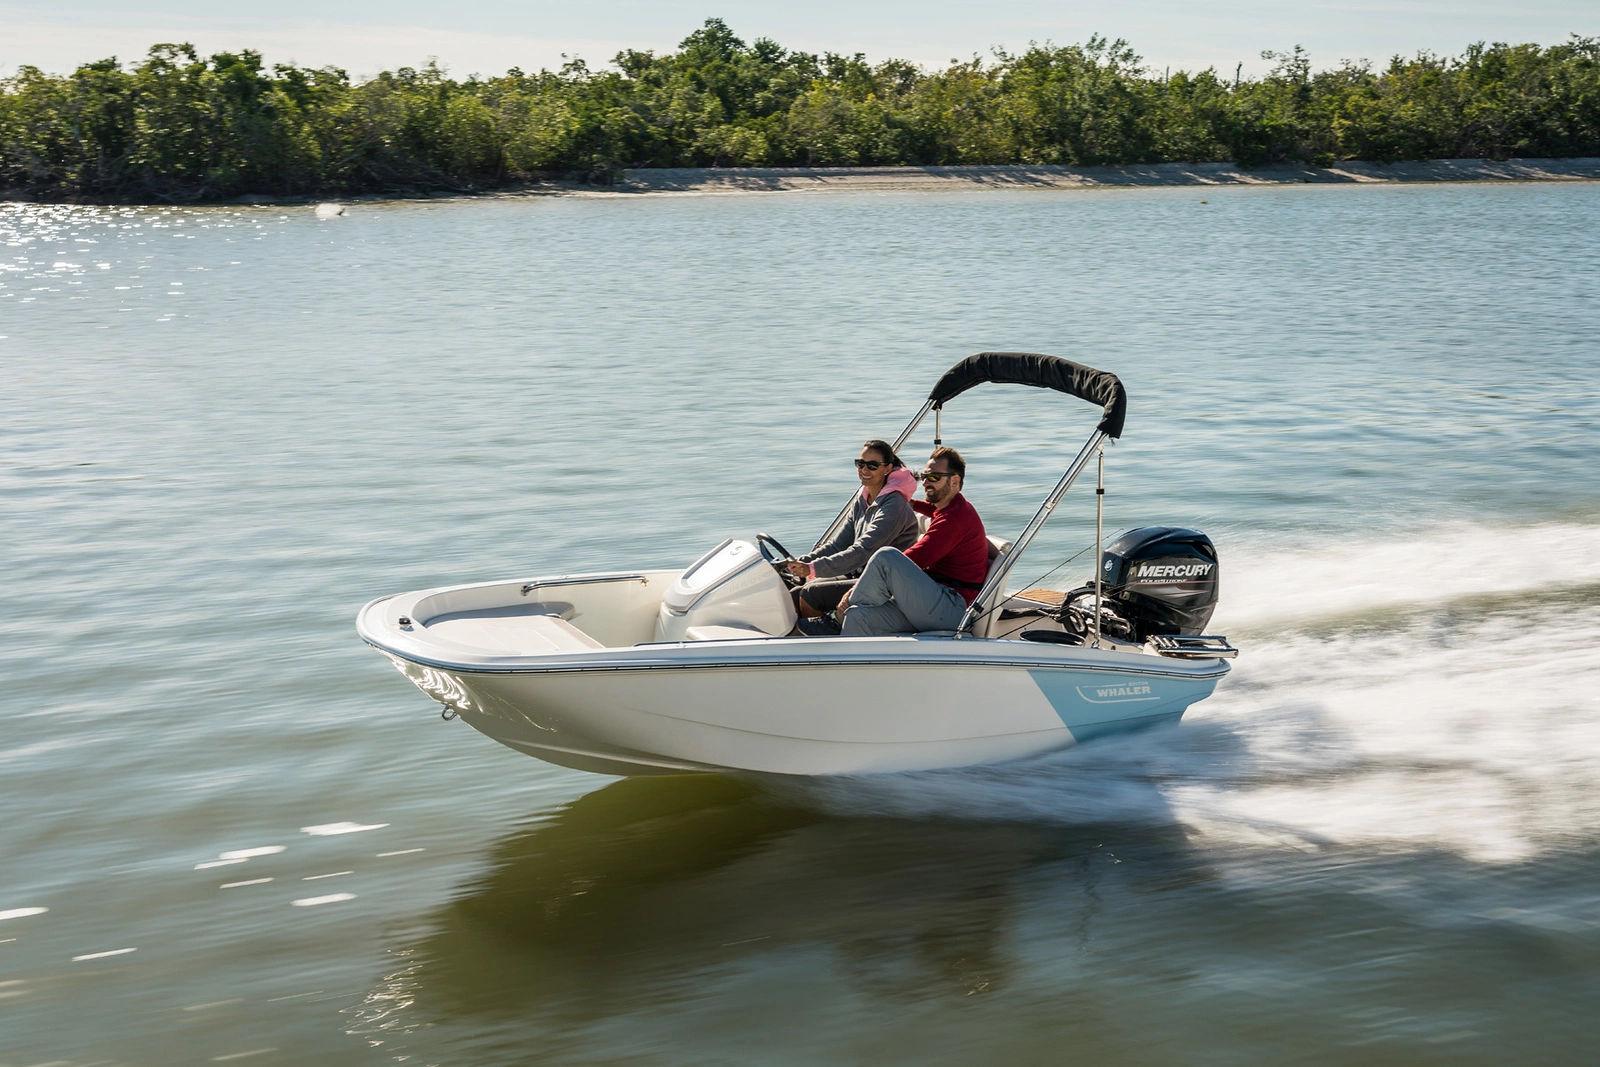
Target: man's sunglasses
[(868, 464), (931, 476)]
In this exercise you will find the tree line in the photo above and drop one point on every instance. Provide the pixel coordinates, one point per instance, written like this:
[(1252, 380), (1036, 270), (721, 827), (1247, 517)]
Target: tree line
[(177, 126)]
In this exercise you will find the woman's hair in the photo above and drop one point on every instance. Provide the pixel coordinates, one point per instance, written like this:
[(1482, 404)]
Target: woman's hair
[(883, 449)]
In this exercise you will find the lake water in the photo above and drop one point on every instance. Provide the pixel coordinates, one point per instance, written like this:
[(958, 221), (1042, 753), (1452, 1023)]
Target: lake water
[(233, 833)]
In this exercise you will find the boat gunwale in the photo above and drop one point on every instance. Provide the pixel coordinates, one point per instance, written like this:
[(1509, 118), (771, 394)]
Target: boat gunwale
[(580, 663)]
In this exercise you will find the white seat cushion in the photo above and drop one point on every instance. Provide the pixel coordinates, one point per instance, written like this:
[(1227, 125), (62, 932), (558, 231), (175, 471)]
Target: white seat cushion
[(563, 635), (511, 631), (989, 621), (722, 633)]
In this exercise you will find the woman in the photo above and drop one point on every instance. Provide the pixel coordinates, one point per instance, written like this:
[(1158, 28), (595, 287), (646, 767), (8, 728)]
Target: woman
[(880, 517)]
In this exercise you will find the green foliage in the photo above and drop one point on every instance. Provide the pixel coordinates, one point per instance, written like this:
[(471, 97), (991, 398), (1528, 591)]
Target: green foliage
[(1078, 105), (955, 116), (176, 126)]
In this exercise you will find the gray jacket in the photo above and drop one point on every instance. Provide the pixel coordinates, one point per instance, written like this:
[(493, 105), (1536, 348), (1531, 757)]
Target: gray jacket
[(887, 522)]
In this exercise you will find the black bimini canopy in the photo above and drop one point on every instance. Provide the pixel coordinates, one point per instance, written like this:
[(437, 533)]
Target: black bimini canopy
[(1045, 372)]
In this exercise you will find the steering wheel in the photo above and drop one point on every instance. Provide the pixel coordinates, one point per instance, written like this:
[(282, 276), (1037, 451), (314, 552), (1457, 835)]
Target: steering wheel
[(773, 552)]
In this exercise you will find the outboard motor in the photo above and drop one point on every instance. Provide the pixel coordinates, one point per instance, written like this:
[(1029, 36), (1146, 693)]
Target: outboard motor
[(1161, 580), (1157, 584)]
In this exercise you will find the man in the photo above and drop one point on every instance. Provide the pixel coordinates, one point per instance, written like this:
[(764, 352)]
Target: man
[(930, 584)]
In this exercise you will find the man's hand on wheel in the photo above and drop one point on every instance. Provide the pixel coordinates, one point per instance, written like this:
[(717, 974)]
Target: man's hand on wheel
[(798, 569)]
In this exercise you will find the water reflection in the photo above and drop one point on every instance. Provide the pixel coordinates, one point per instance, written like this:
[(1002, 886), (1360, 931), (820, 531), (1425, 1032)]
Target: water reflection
[(678, 918), (653, 893)]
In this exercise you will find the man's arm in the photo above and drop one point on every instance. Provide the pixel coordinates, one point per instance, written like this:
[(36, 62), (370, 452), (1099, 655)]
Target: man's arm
[(935, 544)]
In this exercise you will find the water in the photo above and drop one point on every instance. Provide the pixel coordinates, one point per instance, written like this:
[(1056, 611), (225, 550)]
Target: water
[(232, 831)]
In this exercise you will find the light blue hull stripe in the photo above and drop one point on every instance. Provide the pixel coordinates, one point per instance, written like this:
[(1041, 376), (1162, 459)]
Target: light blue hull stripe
[(1092, 709)]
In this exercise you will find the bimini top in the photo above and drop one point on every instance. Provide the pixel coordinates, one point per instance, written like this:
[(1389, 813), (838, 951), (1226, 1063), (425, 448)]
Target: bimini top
[(1046, 372)]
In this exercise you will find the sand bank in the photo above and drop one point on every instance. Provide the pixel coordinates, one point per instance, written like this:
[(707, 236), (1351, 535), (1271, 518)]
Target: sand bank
[(916, 179), (699, 181)]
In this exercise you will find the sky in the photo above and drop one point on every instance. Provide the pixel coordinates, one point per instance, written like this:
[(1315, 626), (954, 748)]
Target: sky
[(488, 37)]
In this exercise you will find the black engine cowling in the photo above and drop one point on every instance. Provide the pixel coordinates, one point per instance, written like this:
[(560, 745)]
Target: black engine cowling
[(1161, 579)]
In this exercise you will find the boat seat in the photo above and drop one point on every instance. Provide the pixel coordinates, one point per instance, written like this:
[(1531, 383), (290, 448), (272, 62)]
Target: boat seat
[(999, 548), (723, 633), (515, 632), (562, 634)]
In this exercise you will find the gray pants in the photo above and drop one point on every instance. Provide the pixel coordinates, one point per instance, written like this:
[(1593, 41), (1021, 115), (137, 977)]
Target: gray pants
[(895, 596)]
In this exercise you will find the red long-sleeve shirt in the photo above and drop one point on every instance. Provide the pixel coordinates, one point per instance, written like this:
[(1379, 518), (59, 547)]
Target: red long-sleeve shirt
[(954, 549)]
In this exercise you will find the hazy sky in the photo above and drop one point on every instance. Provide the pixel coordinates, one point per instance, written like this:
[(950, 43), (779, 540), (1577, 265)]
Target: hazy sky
[(365, 36)]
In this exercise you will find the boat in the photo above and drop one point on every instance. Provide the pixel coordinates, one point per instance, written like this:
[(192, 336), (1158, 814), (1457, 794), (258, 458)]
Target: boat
[(701, 668)]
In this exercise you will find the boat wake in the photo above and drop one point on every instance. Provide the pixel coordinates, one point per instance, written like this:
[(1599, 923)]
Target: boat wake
[(1401, 572), (1442, 694)]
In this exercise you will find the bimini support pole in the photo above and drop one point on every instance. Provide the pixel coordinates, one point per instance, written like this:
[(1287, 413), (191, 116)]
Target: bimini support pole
[(899, 442), (1099, 536), (997, 575)]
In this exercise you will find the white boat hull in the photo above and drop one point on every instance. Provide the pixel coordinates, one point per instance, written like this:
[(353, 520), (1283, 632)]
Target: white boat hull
[(826, 706)]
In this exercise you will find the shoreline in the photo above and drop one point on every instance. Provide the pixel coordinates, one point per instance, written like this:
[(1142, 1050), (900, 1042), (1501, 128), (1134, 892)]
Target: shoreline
[(1022, 176), (699, 181)]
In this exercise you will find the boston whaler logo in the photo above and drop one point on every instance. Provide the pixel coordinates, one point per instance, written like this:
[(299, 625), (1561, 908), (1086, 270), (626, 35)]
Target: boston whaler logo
[(1162, 572), (1119, 693)]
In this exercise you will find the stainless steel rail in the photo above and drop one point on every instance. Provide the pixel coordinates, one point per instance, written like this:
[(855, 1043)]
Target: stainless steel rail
[(556, 583), (997, 576)]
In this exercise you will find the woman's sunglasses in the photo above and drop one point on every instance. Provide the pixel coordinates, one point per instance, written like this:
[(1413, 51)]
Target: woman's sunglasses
[(868, 464)]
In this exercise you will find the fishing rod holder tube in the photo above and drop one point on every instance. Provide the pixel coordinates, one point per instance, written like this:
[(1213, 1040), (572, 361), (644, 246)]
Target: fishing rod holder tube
[(1099, 537)]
